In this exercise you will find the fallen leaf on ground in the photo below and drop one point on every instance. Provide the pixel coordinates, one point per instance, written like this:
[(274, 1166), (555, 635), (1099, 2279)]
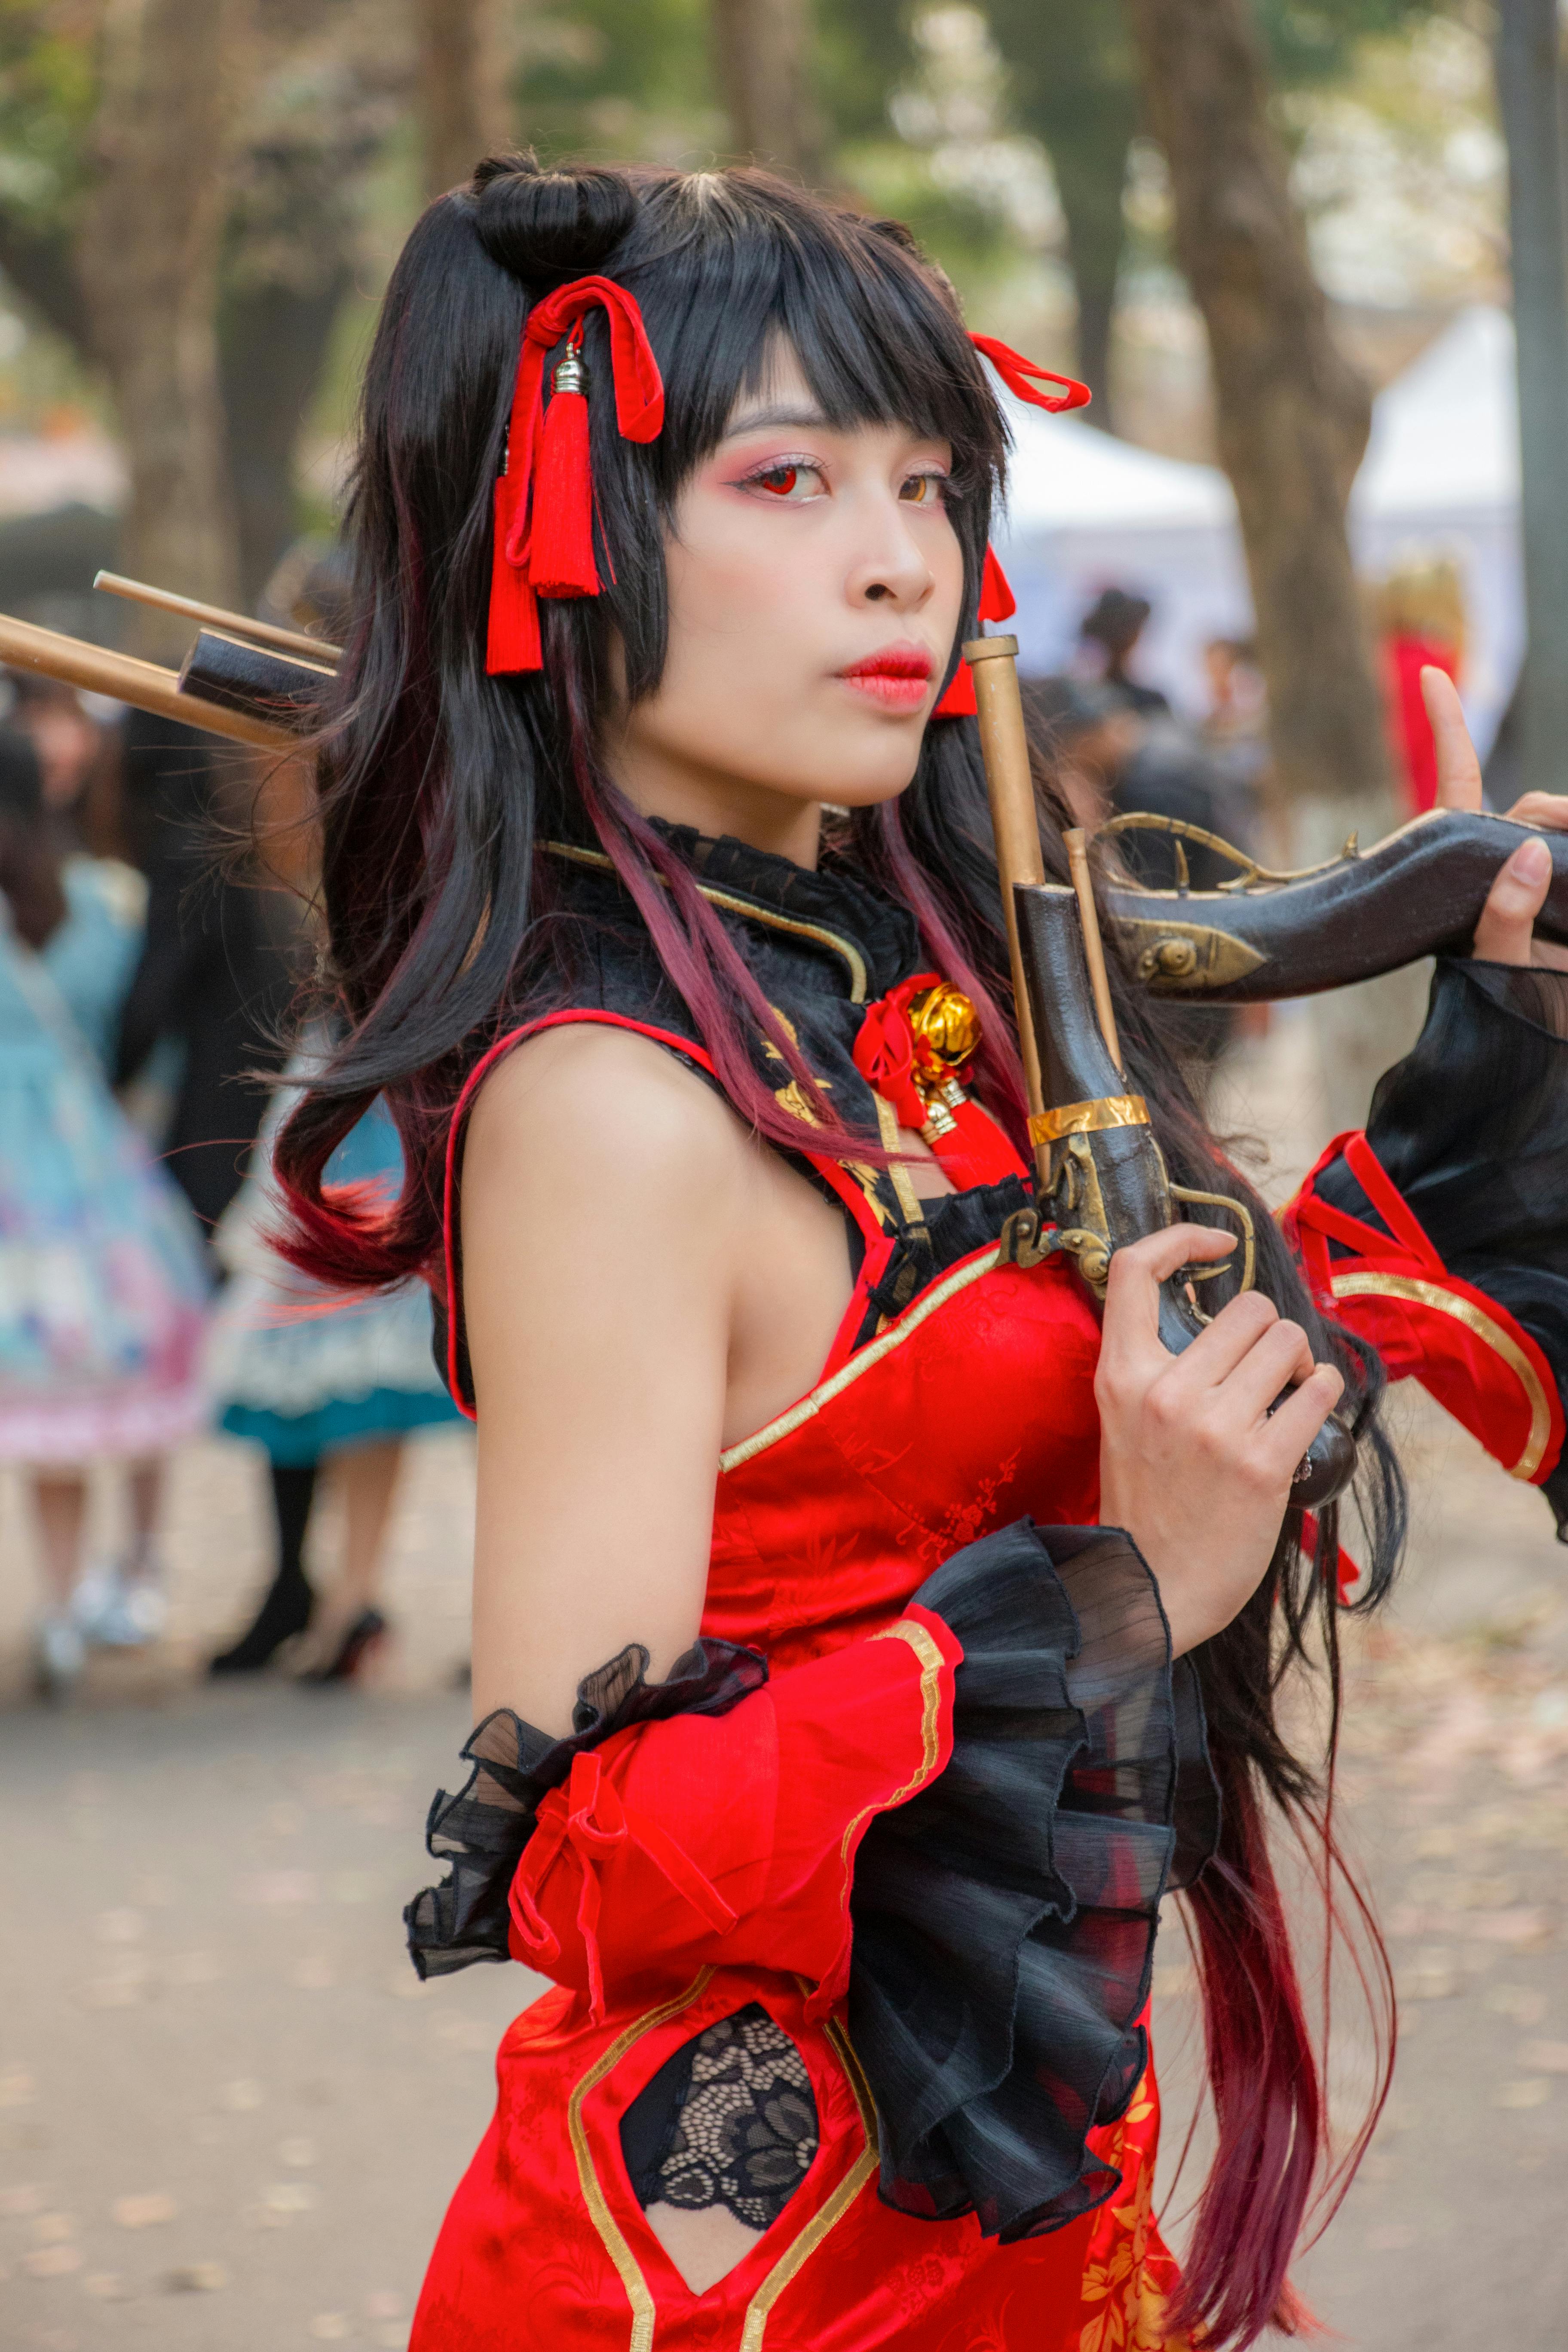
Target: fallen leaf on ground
[(196, 2278), (1533, 2093), (145, 2211), (52, 2262)]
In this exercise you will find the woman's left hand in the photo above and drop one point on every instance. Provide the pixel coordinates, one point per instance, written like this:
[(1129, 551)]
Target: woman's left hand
[(1505, 934)]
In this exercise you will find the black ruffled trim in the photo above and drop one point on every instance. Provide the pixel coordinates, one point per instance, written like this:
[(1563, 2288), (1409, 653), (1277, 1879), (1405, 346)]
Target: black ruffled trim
[(483, 1831), (1472, 1128), (1005, 1919)]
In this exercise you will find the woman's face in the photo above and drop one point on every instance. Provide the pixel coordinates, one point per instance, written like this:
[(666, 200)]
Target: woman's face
[(815, 585)]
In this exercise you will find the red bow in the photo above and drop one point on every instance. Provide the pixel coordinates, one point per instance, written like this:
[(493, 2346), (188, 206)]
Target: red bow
[(587, 1820), (1024, 377), (885, 1051), (997, 601), (544, 545)]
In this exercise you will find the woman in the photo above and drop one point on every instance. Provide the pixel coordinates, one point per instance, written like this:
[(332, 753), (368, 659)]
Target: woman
[(847, 1605), (102, 1292), (320, 1383)]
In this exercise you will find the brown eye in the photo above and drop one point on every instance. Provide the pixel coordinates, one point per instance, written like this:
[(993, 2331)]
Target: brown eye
[(922, 490)]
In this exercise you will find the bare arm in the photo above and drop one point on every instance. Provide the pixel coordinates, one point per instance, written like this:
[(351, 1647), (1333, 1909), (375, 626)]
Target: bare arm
[(602, 1188)]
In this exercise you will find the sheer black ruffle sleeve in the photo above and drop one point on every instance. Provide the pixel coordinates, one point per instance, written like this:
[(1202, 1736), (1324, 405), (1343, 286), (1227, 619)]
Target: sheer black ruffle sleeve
[(482, 1831), (1004, 1918), (1472, 1129)]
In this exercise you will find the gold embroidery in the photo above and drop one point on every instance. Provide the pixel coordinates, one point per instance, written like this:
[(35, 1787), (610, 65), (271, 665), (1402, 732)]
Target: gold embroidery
[(853, 960), (790, 2264), (862, 1361), (1131, 2314), (908, 1200), (923, 1643), (1089, 1117), (1492, 1335), (638, 2291)]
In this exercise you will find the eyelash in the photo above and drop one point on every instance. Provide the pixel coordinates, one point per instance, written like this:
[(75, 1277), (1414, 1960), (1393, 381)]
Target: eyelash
[(938, 483)]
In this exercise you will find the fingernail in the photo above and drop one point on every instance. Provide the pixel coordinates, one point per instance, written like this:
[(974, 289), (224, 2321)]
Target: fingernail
[(1533, 861)]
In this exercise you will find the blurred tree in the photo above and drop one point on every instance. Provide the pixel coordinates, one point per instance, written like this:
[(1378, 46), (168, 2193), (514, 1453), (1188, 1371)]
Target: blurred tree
[(764, 52), (326, 88), (1293, 416), (1074, 84), (1074, 76), (311, 95), (147, 260), (464, 106)]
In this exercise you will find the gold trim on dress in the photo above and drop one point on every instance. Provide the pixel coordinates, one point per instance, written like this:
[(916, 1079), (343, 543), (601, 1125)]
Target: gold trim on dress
[(903, 1183), (861, 1362), (854, 962), (1492, 1335), (1089, 1117), (639, 2294), (791, 2262), (923, 1643)]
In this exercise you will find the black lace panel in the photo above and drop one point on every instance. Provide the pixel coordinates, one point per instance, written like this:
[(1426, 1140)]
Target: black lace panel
[(730, 2120)]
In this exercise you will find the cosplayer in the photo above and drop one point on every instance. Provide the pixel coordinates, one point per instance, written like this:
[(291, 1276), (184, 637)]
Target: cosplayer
[(869, 1629)]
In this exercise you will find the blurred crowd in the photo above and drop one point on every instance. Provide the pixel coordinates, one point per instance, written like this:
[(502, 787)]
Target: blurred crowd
[(147, 989)]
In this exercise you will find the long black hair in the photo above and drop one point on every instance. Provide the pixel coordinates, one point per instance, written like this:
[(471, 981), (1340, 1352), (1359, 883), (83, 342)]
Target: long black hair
[(439, 785)]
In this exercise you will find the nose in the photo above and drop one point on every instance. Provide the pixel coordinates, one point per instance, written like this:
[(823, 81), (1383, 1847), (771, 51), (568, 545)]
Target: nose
[(889, 566)]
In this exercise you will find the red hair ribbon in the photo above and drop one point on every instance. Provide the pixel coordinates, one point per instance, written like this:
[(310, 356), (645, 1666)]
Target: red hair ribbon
[(997, 601), (544, 544)]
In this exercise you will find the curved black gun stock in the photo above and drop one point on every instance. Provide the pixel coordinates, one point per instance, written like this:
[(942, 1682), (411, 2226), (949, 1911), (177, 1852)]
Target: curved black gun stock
[(1418, 892)]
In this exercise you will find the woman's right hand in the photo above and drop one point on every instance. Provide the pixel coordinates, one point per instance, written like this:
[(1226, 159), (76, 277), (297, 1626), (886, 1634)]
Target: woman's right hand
[(1191, 1461)]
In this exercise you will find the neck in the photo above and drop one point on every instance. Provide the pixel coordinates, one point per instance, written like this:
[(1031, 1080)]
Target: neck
[(715, 803)]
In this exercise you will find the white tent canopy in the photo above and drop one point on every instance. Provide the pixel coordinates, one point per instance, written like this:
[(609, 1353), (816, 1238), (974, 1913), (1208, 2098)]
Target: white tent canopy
[(1440, 477)]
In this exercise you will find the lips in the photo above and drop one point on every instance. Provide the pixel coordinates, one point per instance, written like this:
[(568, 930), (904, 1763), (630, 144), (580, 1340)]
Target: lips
[(899, 677)]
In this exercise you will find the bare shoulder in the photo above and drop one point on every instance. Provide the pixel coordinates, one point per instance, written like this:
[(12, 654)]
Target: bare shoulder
[(588, 1112)]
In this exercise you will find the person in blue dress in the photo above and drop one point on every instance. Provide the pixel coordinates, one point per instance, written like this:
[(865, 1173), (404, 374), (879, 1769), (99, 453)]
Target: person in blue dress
[(324, 1384), (103, 1287)]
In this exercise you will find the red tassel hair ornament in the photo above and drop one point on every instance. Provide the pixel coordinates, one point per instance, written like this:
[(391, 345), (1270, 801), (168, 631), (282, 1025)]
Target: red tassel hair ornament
[(998, 602), (543, 542)]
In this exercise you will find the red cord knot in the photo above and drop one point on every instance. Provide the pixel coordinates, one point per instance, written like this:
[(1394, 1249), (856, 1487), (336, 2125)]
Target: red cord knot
[(587, 1823)]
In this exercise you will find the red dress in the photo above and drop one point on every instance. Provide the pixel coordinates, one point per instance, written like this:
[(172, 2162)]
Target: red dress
[(685, 1867)]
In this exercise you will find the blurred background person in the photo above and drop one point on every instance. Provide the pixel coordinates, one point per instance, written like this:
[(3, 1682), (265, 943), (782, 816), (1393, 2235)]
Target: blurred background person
[(1235, 728), (322, 1384), (1107, 638), (103, 1286), (1420, 615), (217, 969)]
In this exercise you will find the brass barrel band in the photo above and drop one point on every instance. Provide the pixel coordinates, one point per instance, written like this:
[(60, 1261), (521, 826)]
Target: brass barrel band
[(1089, 1117)]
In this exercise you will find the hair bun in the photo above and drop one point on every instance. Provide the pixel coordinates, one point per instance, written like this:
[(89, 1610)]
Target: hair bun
[(547, 227)]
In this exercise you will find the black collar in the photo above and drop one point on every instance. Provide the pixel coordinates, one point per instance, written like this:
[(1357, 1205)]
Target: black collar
[(874, 941)]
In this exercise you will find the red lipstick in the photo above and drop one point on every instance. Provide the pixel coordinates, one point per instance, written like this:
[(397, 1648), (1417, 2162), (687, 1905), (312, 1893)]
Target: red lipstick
[(899, 677)]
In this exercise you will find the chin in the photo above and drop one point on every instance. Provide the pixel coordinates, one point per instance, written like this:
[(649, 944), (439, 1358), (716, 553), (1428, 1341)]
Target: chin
[(861, 774)]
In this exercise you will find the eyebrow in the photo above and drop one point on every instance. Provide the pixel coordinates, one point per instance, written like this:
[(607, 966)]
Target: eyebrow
[(771, 420)]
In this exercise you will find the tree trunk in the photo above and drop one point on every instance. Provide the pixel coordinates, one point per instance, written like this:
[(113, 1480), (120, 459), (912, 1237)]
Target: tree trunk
[(763, 50), (1293, 415), (1528, 87), (1091, 204), (274, 346), (464, 109), (148, 262), (1293, 418)]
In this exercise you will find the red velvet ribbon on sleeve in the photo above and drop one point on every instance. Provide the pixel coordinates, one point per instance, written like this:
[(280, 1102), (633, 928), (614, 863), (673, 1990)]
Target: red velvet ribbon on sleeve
[(1026, 379), (586, 1822), (551, 553)]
